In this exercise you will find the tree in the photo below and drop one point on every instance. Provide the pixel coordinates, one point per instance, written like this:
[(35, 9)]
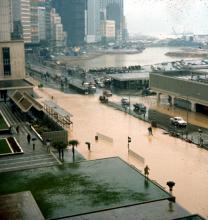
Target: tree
[(73, 143), (60, 146)]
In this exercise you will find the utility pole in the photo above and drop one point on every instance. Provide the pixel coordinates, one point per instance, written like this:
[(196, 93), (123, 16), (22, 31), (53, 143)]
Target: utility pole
[(187, 118)]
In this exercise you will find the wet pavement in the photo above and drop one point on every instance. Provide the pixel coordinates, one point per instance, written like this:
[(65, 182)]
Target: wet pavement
[(19, 206), (78, 188), (169, 158)]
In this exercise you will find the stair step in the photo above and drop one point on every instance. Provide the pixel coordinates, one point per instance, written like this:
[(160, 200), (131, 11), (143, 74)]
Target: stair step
[(15, 168)]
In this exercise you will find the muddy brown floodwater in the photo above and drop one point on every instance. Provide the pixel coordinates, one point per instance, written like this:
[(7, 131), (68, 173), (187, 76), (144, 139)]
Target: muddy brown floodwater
[(168, 158)]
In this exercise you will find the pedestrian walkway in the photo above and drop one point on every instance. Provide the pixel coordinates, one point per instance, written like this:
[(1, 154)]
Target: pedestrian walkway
[(32, 157)]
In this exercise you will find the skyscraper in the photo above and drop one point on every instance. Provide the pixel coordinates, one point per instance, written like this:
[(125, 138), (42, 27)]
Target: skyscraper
[(93, 21), (113, 10), (73, 15), (38, 25), (5, 20), (21, 19)]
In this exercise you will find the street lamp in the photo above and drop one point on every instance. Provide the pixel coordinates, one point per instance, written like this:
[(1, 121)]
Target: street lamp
[(33, 140), (129, 141), (48, 143)]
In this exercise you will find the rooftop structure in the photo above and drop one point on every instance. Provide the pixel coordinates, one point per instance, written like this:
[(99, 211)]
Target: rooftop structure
[(132, 80), (185, 88)]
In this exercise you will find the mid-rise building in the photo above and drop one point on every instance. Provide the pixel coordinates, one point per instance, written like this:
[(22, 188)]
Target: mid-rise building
[(108, 30), (74, 16), (5, 20), (21, 20)]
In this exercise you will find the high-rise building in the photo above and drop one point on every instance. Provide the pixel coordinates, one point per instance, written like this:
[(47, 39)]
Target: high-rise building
[(113, 10), (58, 36), (38, 19), (48, 8), (21, 19), (5, 20), (93, 21), (74, 16)]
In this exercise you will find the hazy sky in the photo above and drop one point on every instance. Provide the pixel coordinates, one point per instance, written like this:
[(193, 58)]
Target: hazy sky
[(161, 17)]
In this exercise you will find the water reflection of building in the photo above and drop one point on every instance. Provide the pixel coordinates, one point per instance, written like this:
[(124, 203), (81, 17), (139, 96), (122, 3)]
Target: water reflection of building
[(186, 89)]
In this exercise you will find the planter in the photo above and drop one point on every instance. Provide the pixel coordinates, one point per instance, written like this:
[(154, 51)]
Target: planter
[(5, 126), (13, 146)]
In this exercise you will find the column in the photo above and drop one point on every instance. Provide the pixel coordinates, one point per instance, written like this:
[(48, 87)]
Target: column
[(158, 97), (193, 106)]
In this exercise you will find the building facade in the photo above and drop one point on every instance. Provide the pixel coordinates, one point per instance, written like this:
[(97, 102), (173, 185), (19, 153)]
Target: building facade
[(12, 60), (182, 88), (114, 10), (74, 16), (5, 20), (38, 21), (22, 19), (93, 34), (108, 30), (58, 36)]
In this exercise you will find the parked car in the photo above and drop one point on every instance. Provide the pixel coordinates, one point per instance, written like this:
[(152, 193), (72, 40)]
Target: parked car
[(125, 101), (178, 121), (107, 93), (140, 107)]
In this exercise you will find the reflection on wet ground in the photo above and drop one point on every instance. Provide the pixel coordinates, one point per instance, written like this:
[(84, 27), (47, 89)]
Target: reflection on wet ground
[(168, 158), (79, 188)]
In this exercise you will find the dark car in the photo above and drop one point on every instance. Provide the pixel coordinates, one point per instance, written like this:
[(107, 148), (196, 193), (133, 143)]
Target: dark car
[(140, 107)]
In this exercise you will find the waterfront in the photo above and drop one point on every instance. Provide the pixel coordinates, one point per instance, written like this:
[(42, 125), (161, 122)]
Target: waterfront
[(168, 158), (149, 56)]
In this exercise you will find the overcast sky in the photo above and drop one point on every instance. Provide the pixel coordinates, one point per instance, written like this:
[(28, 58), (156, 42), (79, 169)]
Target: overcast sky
[(164, 17)]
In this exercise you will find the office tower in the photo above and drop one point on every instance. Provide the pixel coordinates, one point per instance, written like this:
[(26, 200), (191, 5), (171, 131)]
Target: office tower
[(21, 20), (5, 20), (74, 16), (38, 25), (113, 10), (93, 21), (58, 35)]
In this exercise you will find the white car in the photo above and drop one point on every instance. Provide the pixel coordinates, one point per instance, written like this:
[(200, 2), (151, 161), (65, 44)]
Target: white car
[(178, 121)]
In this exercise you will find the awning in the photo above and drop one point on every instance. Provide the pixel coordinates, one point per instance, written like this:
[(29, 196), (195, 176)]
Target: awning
[(25, 102)]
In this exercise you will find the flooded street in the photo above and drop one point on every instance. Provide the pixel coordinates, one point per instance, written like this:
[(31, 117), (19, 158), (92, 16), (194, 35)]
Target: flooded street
[(168, 158)]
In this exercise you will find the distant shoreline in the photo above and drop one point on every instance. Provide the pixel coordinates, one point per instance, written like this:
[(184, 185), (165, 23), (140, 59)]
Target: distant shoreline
[(187, 54)]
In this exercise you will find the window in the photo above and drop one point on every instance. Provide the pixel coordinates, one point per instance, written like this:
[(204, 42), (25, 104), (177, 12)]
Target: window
[(6, 60)]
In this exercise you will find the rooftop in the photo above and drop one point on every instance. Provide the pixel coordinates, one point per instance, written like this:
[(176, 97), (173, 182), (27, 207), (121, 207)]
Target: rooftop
[(80, 188), (14, 84), (130, 76)]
